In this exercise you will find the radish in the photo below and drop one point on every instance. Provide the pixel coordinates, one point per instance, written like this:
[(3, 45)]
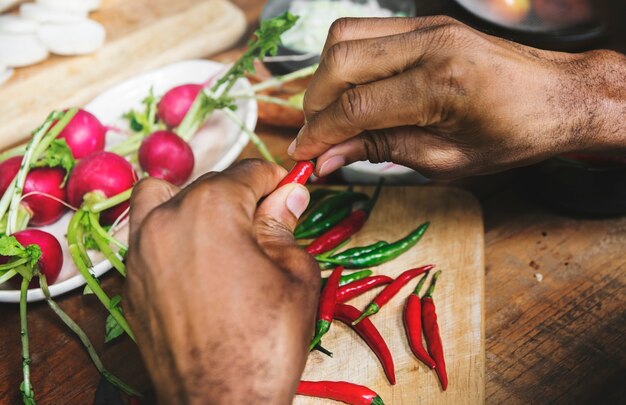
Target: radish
[(51, 261), (84, 134), (103, 173), (45, 184), (166, 156), (176, 102)]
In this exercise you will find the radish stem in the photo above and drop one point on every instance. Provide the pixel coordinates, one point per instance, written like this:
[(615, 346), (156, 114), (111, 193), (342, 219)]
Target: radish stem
[(111, 202), (15, 151), (254, 138), (41, 140), (67, 320), (77, 250), (274, 100), (7, 276), (280, 80), (101, 238), (28, 395)]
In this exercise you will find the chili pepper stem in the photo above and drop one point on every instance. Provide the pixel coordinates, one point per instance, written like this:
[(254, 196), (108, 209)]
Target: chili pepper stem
[(377, 401), (433, 282), (372, 202), (323, 350), (322, 327), (369, 311), (420, 284)]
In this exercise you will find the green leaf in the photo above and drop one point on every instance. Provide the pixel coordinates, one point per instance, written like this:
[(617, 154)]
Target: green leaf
[(115, 301), (9, 246), (58, 154), (87, 290), (144, 121), (266, 42), (33, 253), (112, 329)]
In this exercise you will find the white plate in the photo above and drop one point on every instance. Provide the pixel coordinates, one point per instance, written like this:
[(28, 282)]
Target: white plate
[(370, 173), (215, 147)]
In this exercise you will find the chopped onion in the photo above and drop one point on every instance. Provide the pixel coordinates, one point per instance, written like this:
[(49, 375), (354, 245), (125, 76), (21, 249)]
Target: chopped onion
[(13, 24), (17, 50), (77, 38), (310, 32)]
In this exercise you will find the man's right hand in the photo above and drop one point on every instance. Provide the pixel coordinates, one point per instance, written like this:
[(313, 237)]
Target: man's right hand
[(449, 101)]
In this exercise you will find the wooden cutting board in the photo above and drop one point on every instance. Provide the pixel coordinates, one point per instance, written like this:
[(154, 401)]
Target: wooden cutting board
[(141, 35), (454, 243)]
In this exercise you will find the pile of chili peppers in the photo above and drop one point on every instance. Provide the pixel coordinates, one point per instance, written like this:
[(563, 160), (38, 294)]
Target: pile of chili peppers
[(330, 224)]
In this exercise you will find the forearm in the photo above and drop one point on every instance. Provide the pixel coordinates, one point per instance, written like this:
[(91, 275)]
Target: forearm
[(598, 108)]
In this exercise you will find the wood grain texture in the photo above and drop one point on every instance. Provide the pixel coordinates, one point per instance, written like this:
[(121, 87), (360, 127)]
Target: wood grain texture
[(561, 340), (454, 243), (142, 35)]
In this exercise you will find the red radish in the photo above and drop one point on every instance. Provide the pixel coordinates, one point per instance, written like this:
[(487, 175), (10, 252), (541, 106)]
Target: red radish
[(166, 156), (176, 102), (51, 261), (105, 173), (44, 209), (84, 134)]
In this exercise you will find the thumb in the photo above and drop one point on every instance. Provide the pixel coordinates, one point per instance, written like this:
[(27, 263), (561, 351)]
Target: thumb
[(274, 222), (147, 194)]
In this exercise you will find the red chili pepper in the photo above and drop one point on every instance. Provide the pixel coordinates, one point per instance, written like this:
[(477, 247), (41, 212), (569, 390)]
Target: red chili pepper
[(326, 309), (413, 325), (300, 173), (358, 287), (368, 332), (391, 290), (349, 393), (344, 229), (431, 333)]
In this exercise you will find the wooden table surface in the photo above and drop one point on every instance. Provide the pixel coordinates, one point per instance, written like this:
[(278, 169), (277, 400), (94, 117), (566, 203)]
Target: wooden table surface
[(556, 341)]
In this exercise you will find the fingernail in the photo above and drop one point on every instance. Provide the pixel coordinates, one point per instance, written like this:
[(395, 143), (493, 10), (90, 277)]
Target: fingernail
[(298, 200), (292, 148), (331, 165)]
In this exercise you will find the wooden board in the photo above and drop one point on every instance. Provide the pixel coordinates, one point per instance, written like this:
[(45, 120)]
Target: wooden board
[(141, 35), (454, 242)]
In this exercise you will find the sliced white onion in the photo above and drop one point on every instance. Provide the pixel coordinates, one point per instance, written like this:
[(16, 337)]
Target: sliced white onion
[(43, 14), (5, 74), (77, 38), (17, 50), (13, 24), (71, 5)]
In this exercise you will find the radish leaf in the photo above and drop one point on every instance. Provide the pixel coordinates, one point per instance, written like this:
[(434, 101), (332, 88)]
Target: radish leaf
[(112, 329), (58, 154)]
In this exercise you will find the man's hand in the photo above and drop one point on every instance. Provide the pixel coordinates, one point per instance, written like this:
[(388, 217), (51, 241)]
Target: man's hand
[(220, 296), (449, 101)]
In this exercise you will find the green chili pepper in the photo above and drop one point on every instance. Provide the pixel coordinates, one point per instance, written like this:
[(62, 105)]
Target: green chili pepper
[(318, 195), (348, 278), (382, 254), (328, 207), (324, 225), (351, 253)]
